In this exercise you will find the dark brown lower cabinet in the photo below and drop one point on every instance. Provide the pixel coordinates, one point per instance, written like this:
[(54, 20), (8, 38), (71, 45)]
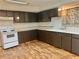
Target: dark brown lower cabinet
[(75, 44), (49, 37), (26, 36), (43, 36), (66, 41), (56, 37)]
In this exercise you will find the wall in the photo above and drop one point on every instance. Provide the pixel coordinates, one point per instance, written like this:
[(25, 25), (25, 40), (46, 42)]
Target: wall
[(23, 26), (70, 16)]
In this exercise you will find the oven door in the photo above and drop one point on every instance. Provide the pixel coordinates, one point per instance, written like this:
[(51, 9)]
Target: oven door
[(8, 38)]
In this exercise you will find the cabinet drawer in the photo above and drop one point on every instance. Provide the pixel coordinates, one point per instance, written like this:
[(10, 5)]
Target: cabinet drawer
[(75, 36), (67, 35)]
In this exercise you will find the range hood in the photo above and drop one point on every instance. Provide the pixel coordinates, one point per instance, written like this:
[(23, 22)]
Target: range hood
[(17, 1)]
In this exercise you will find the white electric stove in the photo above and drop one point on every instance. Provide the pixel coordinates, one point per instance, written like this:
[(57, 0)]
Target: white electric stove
[(8, 37)]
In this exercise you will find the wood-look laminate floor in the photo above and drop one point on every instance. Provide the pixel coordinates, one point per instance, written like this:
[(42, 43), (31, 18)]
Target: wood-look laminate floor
[(35, 50)]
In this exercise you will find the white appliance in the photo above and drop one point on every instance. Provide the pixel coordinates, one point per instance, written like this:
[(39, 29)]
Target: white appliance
[(9, 37)]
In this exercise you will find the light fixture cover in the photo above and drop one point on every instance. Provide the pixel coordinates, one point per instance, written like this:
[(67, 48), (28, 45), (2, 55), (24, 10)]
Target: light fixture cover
[(17, 1)]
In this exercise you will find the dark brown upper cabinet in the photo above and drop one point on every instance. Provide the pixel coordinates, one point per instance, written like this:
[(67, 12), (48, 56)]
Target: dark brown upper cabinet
[(24, 17), (9, 14), (31, 17), (16, 17), (19, 17), (3, 13), (45, 16), (54, 12)]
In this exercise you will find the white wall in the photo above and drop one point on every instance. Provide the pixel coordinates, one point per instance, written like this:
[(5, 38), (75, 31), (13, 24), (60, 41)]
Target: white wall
[(23, 26)]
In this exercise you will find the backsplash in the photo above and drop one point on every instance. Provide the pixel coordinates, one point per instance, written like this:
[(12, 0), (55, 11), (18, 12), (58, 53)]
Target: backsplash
[(70, 16), (23, 26)]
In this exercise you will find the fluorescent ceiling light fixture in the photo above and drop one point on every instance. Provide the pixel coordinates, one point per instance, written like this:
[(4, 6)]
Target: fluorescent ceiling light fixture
[(17, 1)]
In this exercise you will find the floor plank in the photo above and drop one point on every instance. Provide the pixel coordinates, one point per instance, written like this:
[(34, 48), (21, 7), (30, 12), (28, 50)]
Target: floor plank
[(36, 50)]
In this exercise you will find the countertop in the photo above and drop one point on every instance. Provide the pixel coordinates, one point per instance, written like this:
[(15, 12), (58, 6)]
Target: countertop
[(70, 30), (26, 29)]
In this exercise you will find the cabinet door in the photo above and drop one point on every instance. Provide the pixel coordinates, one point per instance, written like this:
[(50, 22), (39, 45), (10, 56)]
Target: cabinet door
[(32, 17), (26, 17), (6, 13), (56, 39), (54, 12), (26, 36), (3, 13), (22, 17), (16, 17), (44, 16), (42, 36), (75, 45), (33, 34), (19, 17), (9, 14), (66, 42), (49, 37)]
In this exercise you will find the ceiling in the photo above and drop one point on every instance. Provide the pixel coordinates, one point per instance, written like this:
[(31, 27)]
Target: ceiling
[(34, 5), (38, 2), (70, 5), (47, 2)]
